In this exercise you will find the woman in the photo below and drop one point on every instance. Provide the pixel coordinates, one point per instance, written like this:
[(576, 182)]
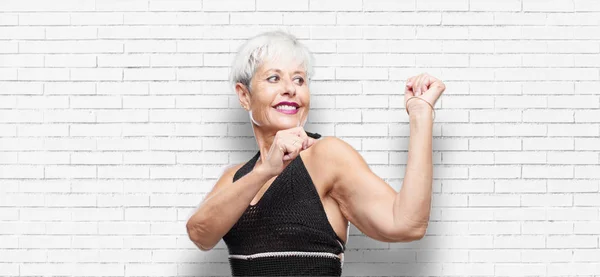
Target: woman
[(287, 210)]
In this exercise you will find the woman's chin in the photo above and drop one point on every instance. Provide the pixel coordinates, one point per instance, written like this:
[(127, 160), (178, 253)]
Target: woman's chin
[(288, 123), (287, 119)]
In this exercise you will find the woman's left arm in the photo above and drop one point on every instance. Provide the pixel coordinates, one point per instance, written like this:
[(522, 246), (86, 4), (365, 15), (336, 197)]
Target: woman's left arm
[(413, 203), (371, 204)]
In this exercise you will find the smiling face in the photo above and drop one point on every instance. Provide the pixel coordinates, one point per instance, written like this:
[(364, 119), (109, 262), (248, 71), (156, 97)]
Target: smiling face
[(277, 81)]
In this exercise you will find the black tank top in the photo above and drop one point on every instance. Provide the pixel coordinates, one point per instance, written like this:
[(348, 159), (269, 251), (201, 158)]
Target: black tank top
[(287, 231)]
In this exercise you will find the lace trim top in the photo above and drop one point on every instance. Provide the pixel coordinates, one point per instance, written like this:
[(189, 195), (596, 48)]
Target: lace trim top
[(287, 231)]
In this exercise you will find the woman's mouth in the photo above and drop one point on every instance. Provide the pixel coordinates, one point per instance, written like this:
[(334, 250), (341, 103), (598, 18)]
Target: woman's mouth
[(287, 109)]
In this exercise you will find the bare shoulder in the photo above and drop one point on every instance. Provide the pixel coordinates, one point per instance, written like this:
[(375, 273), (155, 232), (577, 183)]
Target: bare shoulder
[(333, 149), (225, 179), (230, 170), (336, 155)]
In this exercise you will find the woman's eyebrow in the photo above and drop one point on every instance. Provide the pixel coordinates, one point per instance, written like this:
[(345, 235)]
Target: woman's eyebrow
[(268, 71), (300, 71), (273, 69), (279, 71)]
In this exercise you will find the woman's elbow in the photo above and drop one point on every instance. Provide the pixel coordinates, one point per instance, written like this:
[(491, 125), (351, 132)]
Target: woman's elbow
[(203, 248), (409, 234), (195, 234), (420, 234), (417, 233)]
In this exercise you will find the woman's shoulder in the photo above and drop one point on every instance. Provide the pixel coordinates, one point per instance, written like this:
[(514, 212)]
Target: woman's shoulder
[(325, 141), (230, 170), (334, 149)]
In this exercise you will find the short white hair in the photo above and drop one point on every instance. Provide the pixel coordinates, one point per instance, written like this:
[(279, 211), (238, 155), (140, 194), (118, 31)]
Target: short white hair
[(268, 46)]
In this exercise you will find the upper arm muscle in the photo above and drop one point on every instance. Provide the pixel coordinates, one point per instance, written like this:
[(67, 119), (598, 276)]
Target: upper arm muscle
[(365, 199)]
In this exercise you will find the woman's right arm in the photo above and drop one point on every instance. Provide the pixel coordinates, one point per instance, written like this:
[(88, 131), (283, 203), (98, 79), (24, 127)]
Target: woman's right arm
[(223, 206)]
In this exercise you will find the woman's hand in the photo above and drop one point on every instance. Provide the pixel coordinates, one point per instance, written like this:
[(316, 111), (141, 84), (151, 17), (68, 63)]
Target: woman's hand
[(425, 87), (286, 147)]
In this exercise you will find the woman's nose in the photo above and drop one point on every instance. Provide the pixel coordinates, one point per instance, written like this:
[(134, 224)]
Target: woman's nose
[(290, 87)]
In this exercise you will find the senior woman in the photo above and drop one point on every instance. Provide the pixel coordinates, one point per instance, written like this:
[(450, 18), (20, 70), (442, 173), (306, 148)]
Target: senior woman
[(287, 210)]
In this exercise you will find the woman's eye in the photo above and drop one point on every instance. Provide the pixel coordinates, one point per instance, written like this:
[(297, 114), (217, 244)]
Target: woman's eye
[(300, 80), (271, 79)]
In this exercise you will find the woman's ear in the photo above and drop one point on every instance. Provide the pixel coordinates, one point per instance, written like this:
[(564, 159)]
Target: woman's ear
[(243, 95)]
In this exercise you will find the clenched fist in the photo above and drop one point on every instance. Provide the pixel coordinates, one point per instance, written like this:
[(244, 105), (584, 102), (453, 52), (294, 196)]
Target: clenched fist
[(286, 147), (423, 86)]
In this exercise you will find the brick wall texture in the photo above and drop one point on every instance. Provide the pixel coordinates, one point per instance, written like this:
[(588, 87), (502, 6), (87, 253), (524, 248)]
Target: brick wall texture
[(116, 119)]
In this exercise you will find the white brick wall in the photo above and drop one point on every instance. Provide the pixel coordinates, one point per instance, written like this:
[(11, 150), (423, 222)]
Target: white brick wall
[(116, 119)]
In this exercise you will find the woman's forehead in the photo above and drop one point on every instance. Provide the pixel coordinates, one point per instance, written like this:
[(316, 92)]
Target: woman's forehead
[(280, 65)]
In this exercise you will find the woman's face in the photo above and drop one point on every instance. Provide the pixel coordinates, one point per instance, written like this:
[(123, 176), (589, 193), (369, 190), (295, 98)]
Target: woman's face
[(274, 82)]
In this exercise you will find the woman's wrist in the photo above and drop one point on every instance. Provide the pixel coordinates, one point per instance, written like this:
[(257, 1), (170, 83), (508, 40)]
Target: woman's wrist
[(261, 171), (415, 104), (420, 109), (421, 113)]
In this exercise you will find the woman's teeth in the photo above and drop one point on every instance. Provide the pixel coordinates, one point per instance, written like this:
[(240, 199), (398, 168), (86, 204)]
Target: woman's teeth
[(285, 107)]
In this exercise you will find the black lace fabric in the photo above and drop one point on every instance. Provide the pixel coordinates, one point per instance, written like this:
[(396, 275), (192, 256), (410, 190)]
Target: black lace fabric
[(287, 232)]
